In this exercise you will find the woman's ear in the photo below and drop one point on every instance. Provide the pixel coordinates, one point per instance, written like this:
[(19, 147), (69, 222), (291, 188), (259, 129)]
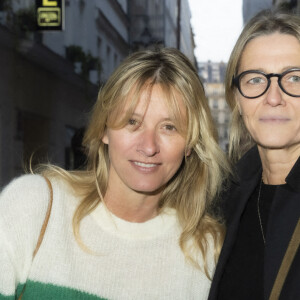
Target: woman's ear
[(188, 152), (237, 99), (239, 107), (105, 138)]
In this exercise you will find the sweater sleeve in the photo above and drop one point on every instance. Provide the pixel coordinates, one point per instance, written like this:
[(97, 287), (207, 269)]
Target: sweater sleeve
[(23, 205)]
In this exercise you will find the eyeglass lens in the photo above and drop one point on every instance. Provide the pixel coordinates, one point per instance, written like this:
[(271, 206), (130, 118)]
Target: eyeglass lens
[(255, 84)]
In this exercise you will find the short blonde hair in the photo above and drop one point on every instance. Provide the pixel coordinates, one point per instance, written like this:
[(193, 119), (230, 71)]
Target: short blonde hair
[(265, 23)]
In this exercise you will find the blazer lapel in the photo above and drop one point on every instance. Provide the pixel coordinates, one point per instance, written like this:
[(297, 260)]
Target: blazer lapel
[(239, 196)]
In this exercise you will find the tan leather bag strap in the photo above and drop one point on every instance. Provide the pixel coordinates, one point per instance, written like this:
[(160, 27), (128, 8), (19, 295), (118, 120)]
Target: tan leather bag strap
[(47, 216), (286, 263), (43, 229)]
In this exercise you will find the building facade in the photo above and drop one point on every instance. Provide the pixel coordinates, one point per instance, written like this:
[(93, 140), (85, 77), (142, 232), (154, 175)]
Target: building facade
[(161, 23), (49, 79), (252, 7), (215, 93), (212, 75), (291, 5)]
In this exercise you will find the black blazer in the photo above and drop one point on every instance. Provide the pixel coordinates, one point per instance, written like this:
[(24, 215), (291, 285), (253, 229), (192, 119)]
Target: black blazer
[(283, 218)]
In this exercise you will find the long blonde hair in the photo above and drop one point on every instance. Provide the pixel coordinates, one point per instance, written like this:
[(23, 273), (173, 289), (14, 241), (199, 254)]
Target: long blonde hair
[(196, 184), (264, 23)]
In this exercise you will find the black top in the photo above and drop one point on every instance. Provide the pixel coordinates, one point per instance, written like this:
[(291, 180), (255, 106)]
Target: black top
[(243, 274), (282, 220)]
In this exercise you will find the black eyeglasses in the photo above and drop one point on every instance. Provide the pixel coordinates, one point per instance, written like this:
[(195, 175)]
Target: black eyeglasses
[(253, 84)]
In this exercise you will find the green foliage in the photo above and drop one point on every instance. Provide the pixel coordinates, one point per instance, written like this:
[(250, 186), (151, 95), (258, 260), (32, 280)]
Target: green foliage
[(25, 20), (93, 63), (285, 6), (75, 54), (5, 5), (88, 62)]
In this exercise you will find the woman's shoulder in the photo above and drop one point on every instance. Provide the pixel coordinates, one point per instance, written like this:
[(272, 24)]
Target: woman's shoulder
[(25, 186), (25, 196), (32, 186), (24, 180), (24, 203)]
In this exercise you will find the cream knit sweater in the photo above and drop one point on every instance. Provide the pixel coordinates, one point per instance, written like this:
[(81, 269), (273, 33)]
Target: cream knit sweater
[(131, 260)]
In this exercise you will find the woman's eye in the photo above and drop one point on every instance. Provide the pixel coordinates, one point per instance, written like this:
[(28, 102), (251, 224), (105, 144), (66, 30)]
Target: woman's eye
[(170, 127), (132, 122), (295, 79), (256, 80)]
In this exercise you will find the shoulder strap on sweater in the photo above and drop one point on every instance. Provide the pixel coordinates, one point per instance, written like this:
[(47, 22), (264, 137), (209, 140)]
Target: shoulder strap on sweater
[(44, 226), (286, 263), (47, 216)]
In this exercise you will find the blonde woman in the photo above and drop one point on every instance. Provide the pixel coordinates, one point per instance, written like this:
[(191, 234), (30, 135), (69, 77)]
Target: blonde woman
[(260, 259), (138, 223)]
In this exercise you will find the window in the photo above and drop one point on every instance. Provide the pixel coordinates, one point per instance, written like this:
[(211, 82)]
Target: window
[(215, 103)]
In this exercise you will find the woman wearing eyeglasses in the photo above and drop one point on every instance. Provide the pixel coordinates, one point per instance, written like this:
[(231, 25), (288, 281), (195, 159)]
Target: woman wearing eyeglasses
[(260, 257)]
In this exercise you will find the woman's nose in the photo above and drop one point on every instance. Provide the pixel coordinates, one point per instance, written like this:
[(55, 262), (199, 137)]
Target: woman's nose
[(274, 94), (148, 143)]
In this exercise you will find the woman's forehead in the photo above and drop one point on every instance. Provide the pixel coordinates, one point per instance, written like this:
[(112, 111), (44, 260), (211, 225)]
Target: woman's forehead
[(143, 95), (279, 48), (165, 100)]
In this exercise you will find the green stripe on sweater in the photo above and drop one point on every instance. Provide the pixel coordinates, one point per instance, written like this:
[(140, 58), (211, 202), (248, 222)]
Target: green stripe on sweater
[(37, 291), (3, 297), (12, 297)]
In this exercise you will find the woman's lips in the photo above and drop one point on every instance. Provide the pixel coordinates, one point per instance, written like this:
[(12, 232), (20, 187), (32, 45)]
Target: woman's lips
[(145, 167), (274, 119)]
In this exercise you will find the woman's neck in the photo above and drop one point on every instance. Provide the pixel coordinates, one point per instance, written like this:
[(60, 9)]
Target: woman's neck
[(136, 207), (277, 163)]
